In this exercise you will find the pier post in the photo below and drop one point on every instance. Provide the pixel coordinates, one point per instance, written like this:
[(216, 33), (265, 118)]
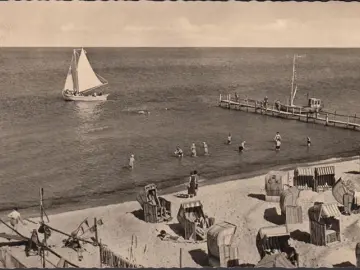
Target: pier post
[(327, 119)]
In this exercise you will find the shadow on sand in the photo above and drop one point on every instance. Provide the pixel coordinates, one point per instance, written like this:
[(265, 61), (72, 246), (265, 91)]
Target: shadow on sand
[(177, 229), (300, 236), (344, 264), (260, 197), (200, 257), (353, 172), (272, 216), (139, 214)]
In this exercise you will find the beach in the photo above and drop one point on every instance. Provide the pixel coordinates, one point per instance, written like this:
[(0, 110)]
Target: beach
[(237, 202)]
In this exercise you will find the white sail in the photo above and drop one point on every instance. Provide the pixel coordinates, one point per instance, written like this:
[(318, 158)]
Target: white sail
[(87, 79), (69, 83)]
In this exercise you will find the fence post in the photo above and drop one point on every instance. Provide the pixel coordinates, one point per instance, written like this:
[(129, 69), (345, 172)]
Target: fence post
[(181, 252)]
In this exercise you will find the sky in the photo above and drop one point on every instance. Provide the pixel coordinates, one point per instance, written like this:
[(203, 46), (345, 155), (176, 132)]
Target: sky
[(179, 24)]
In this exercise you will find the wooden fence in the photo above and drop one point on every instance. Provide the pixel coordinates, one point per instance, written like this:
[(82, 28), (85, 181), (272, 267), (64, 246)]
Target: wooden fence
[(111, 259)]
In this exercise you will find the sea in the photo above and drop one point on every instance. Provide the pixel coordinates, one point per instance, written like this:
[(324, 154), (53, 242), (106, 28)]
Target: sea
[(78, 152)]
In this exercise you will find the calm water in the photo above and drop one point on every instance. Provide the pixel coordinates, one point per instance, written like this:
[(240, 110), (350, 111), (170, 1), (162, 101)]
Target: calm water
[(77, 151)]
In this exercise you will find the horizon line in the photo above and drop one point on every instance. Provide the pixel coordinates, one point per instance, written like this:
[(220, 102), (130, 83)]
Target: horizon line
[(187, 47)]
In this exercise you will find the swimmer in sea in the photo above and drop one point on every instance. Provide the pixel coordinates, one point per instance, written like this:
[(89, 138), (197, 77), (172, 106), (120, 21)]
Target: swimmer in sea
[(229, 139), (277, 145), (242, 147), (131, 162), (206, 149), (308, 141), (179, 152), (193, 150)]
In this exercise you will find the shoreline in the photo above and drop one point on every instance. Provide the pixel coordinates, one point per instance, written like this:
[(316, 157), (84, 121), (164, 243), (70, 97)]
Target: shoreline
[(32, 212)]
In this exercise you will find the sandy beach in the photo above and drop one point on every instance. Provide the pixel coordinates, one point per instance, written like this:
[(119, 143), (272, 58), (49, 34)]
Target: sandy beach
[(237, 202)]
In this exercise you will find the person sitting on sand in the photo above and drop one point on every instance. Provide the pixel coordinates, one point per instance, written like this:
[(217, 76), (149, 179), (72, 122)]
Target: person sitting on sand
[(206, 149), (277, 137), (179, 152), (193, 150), (229, 139), (132, 161), (242, 147), (15, 218), (308, 141)]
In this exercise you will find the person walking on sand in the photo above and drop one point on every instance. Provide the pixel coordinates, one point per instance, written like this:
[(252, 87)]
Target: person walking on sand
[(308, 141), (242, 147), (193, 150), (206, 149), (192, 186), (229, 139), (132, 161), (15, 218)]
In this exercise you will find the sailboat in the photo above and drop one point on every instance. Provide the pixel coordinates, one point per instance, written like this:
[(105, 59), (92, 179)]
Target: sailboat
[(81, 79), (314, 104)]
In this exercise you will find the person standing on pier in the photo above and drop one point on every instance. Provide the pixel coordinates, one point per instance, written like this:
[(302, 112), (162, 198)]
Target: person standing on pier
[(229, 139), (206, 149), (131, 161), (193, 150), (308, 141)]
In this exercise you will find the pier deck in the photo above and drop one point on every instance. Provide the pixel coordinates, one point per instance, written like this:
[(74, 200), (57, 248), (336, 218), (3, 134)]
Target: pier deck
[(323, 117)]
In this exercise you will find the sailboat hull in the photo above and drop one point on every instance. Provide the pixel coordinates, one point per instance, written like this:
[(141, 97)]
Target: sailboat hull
[(84, 98)]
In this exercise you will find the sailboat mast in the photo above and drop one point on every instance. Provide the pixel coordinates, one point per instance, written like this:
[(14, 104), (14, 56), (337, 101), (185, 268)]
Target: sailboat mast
[(292, 83)]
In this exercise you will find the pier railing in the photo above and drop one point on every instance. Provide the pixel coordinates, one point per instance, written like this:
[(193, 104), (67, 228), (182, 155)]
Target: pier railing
[(298, 113)]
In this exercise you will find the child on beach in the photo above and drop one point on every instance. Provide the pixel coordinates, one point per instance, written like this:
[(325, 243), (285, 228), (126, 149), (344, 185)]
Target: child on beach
[(206, 150), (15, 218), (229, 139), (131, 162), (193, 150), (242, 147), (308, 141)]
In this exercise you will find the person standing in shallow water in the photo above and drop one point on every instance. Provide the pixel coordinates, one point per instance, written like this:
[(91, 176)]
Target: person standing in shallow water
[(277, 145), (131, 161), (242, 147), (308, 141), (193, 150), (229, 139), (206, 149)]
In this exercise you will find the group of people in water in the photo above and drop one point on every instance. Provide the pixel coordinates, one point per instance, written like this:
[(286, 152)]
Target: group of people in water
[(180, 153)]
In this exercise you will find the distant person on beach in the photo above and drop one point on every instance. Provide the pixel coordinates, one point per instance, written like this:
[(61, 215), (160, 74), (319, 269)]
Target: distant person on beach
[(206, 149), (193, 150), (131, 161), (192, 186), (277, 145), (179, 152), (308, 141), (236, 97), (277, 137), (242, 147), (229, 139), (15, 218)]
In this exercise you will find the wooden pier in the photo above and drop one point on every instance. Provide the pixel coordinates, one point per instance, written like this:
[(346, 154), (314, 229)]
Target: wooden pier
[(322, 117)]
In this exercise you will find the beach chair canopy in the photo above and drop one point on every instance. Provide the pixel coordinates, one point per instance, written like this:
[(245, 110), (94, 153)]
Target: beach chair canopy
[(328, 170), (289, 197), (143, 196), (220, 234), (273, 231), (305, 171), (321, 210)]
